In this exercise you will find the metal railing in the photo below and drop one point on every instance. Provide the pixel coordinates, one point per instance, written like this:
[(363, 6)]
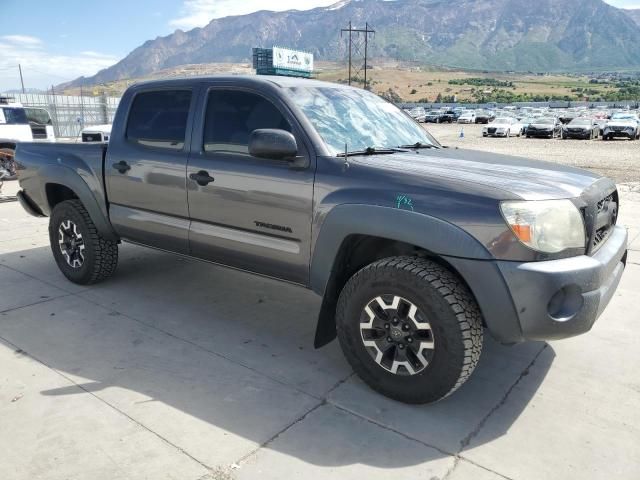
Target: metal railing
[(70, 114)]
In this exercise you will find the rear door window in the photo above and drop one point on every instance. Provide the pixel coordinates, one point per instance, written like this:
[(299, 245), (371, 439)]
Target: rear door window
[(159, 119)]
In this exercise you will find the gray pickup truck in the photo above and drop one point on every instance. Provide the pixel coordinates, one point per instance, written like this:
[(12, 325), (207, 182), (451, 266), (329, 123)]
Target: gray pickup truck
[(415, 249)]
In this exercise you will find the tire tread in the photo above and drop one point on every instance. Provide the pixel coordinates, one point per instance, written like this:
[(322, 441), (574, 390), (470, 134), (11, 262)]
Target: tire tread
[(451, 289)]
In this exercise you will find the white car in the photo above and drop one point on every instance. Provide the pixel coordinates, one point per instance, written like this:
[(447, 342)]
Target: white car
[(96, 134), (467, 117), (14, 128), (622, 124), (503, 127), (14, 124)]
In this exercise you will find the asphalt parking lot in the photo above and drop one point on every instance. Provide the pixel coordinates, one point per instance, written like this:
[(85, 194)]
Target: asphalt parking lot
[(175, 369)]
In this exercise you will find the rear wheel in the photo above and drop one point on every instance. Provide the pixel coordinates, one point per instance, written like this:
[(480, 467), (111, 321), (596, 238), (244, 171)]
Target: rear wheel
[(410, 329), (81, 253)]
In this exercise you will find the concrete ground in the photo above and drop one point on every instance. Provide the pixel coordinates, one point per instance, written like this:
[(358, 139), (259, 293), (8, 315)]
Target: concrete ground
[(176, 369)]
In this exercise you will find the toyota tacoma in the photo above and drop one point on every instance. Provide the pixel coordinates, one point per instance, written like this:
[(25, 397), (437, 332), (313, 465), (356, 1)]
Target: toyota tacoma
[(415, 249)]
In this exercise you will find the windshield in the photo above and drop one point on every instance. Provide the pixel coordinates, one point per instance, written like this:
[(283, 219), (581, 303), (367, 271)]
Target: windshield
[(357, 119), (580, 121), (502, 120), (623, 116), (546, 121)]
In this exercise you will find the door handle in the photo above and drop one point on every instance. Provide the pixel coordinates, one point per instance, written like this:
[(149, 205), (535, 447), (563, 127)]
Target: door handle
[(122, 167), (202, 178)]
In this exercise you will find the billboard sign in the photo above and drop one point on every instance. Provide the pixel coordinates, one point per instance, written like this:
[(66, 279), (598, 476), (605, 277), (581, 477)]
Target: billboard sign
[(292, 60)]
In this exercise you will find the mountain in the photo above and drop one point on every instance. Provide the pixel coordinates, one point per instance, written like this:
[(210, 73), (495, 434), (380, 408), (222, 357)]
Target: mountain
[(634, 14), (520, 35)]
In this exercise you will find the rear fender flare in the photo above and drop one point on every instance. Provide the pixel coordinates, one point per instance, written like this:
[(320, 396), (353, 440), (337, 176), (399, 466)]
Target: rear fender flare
[(87, 187)]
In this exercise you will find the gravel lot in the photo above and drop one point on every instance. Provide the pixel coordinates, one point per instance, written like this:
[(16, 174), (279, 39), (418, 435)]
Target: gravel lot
[(617, 159)]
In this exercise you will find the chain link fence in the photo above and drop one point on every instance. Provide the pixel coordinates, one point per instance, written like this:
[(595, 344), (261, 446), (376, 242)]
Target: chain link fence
[(70, 114)]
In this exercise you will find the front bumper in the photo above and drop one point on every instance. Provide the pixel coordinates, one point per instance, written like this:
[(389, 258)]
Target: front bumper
[(619, 133), (495, 134), (582, 135), (540, 133), (546, 300)]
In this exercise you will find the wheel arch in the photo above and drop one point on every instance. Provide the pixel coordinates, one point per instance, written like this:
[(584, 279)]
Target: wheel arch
[(63, 185), (353, 236)]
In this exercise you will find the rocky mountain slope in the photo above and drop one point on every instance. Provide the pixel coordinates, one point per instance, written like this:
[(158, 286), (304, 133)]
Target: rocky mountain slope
[(634, 14), (519, 35)]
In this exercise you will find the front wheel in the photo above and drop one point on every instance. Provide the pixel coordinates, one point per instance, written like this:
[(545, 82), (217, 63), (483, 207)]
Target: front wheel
[(81, 253), (410, 329)]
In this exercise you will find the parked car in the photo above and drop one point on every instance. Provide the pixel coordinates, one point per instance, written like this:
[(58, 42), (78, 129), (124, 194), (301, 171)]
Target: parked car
[(449, 116), (581, 128), (549, 127), (433, 116), (413, 248), (467, 117), (622, 124), (484, 116), (14, 128), (96, 134), (418, 114), (503, 127)]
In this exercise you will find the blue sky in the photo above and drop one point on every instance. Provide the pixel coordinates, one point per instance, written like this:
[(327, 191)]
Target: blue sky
[(55, 43)]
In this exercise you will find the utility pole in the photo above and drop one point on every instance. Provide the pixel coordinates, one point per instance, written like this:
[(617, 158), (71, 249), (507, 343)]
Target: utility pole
[(366, 53), (21, 79), (350, 46), (356, 49)]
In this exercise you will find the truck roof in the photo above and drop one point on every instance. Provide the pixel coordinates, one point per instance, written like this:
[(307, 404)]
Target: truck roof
[(255, 80)]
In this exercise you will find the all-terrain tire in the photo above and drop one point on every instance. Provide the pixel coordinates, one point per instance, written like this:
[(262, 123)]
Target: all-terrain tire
[(447, 305), (100, 256)]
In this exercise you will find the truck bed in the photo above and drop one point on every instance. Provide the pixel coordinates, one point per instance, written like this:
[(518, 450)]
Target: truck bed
[(43, 164)]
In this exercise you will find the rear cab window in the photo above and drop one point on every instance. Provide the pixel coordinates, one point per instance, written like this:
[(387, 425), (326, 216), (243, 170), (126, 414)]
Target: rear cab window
[(158, 119)]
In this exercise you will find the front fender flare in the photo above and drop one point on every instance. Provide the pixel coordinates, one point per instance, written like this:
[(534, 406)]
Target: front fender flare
[(432, 234)]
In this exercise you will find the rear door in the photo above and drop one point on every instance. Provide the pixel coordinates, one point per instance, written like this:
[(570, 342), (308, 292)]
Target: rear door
[(254, 213), (145, 169)]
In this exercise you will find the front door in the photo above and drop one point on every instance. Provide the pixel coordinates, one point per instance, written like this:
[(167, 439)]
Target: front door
[(247, 212), (146, 171)]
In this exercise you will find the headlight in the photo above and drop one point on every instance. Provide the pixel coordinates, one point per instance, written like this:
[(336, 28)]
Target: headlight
[(548, 226)]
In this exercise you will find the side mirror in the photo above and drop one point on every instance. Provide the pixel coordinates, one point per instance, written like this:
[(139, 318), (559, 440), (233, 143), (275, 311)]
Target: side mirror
[(274, 144)]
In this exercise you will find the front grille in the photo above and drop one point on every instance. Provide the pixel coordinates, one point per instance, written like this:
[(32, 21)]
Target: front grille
[(492, 130), (605, 218)]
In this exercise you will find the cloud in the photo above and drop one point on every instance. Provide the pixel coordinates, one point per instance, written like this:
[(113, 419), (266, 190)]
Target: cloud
[(25, 41), (42, 68), (198, 13)]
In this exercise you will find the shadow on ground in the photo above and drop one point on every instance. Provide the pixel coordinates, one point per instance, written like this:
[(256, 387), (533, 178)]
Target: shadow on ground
[(219, 362)]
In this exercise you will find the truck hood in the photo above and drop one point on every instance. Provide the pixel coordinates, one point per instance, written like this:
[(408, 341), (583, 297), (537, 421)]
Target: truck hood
[(517, 177), (622, 123)]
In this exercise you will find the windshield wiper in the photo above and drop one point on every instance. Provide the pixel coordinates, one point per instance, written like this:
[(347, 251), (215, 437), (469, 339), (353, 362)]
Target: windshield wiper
[(371, 151), (418, 146)]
